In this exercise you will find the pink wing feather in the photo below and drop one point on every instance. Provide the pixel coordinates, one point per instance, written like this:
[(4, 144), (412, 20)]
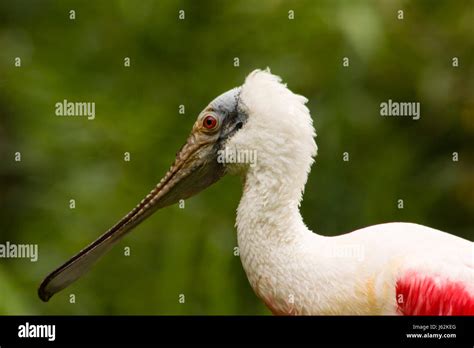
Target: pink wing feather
[(418, 294)]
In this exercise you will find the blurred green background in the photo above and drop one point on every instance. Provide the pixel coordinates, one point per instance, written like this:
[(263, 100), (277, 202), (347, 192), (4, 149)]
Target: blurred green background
[(190, 251)]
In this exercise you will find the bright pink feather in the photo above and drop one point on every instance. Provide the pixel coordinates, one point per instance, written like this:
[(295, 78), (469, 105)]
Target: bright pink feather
[(424, 295)]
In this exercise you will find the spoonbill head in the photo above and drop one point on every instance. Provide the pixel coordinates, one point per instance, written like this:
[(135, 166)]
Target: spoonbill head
[(394, 268), (196, 167)]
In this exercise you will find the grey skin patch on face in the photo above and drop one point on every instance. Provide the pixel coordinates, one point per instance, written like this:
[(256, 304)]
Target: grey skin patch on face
[(227, 102), (232, 114)]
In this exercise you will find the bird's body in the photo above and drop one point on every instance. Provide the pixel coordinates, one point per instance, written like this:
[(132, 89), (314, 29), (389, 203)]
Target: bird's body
[(394, 268), (295, 271)]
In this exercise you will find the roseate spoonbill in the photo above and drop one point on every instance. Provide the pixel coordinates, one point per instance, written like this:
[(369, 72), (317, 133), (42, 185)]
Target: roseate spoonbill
[(392, 268)]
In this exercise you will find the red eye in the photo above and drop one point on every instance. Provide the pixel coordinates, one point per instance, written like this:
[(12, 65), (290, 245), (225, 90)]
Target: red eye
[(210, 122)]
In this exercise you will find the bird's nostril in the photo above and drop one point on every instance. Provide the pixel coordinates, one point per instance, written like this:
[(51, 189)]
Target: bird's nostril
[(238, 125)]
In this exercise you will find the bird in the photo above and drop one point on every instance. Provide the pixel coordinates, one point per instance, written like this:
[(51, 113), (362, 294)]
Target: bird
[(393, 268)]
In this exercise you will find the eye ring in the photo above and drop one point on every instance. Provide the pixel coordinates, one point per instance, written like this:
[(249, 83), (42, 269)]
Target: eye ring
[(209, 122)]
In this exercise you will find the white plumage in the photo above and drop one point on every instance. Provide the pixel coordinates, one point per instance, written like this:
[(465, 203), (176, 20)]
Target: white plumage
[(296, 271)]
